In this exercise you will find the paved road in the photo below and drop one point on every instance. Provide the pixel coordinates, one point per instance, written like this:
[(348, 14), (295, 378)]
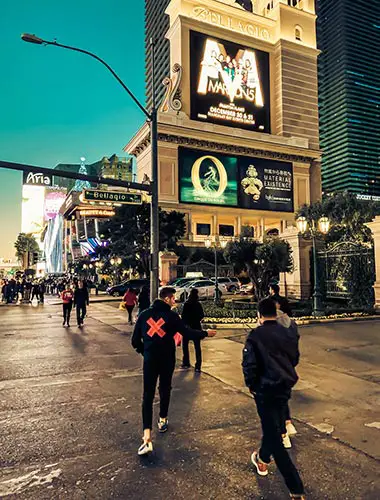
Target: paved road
[(70, 417)]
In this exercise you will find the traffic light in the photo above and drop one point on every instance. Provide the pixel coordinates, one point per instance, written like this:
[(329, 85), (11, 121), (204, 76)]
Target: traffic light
[(35, 258)]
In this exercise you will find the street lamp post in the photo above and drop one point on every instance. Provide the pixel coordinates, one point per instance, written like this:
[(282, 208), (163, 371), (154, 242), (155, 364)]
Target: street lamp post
[(218, 243), (152, 118), (322, 227)]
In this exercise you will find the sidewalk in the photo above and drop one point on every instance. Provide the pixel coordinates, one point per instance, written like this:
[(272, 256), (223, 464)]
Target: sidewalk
[(338, 400)]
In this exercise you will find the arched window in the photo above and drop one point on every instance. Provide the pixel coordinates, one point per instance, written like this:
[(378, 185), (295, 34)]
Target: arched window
[(298, 33)]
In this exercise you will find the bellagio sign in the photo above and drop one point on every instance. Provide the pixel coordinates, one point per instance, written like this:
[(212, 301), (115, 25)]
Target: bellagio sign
[(248, 28)]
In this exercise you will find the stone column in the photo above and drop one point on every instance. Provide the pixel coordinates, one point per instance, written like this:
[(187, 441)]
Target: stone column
[(189, 224), (238, 225), (215, 228), (168, 262), (297, 283), (375, 228)]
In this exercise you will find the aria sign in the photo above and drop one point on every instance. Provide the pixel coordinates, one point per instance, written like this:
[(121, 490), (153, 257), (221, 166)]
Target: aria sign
[(229, 84), (37, 179), (235, 181)]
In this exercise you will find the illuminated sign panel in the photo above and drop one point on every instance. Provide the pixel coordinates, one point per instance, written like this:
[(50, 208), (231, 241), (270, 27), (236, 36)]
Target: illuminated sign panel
[(235, 181), (229, 84), (112, 197), (209, 179), (94, 213), (32, 209), (54, 199), (37, 179)]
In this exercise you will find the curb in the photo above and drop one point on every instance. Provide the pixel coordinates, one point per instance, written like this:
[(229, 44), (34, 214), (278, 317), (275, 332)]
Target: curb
[(245, 326)]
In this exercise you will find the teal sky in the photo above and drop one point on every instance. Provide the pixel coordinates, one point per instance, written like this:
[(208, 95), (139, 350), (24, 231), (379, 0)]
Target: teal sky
[(57, 105)]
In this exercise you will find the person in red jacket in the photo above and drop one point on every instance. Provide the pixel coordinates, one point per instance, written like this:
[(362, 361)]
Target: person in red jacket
[(130, 300), (67, 297)]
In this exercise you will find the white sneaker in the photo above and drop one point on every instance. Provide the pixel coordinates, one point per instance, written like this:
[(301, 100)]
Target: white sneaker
[(145, 448), (286, 441), (261, 467), (290, 429)]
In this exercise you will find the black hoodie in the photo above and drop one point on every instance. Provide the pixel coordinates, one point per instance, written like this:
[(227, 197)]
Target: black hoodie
[(270, 356), (155, 329)]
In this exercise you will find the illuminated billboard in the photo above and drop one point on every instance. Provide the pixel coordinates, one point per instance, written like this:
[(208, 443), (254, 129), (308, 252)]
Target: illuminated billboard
[(54, 199), (229, 83), (209, 178), (32, 209)]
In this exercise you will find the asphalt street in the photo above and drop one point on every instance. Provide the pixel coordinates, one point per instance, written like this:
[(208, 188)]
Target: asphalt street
[(70, 415)]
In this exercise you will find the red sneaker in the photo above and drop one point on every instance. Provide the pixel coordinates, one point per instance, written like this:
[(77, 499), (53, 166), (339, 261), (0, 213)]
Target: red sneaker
[(261, 467)]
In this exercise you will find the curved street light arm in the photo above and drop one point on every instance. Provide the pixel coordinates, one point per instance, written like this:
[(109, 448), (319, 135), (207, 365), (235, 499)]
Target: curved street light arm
[(94, 56)]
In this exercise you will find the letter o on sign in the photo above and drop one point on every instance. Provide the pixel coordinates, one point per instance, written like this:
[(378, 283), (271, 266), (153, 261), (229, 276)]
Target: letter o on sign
[(195, 178)]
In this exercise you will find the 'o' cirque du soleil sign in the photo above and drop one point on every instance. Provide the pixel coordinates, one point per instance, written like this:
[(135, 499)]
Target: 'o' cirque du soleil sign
[(235, 181), (112, 197)]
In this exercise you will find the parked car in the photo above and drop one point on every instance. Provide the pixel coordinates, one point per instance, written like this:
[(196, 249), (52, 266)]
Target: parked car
[(183, 281), (232, 284), (247, 289), (121, 288), (206, 288)]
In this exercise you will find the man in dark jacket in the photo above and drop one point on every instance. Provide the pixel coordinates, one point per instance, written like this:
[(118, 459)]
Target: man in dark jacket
[(81, 301), (269, 359), (274, 292), (192, 316), (154, 338)]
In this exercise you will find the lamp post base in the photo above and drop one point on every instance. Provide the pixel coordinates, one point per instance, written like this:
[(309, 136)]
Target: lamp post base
[(318, 309)]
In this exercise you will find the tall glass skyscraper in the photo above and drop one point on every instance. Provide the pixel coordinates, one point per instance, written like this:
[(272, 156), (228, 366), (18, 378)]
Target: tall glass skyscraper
[(348, 33), (156, 25)]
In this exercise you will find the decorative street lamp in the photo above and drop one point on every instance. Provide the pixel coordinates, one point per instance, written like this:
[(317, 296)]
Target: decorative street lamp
[(153, 121), (218, 243), (116, 262), (322, 227)]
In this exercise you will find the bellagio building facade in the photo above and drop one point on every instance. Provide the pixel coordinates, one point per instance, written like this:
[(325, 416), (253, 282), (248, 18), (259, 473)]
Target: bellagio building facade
[(238, 127)]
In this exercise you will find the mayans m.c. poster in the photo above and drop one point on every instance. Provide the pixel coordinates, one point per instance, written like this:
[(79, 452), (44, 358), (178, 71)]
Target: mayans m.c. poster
[(229, 83)]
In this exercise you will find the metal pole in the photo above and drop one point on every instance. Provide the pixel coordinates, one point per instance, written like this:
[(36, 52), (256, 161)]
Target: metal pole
[(154, 212), (317, 297), (216, 298)]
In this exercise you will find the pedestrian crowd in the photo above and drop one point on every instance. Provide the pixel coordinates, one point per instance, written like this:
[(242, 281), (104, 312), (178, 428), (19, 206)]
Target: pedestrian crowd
[(23, 290)]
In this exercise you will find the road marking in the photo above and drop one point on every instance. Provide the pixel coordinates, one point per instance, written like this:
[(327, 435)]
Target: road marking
[(30, 480), (323, 427), (375, 425)]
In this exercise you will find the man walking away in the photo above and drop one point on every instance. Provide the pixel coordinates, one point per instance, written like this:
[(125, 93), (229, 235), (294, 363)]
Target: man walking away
[(42, 290), (35, 291), (269, 357), (192, 316), (153, 337), (67, 303), (288, 429), (81, 300), (274, 292), (144, 299)]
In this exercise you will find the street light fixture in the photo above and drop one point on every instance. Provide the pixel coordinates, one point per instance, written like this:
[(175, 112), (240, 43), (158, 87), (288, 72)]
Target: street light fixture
[(218, 243), (314, 229), (152, 119)]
